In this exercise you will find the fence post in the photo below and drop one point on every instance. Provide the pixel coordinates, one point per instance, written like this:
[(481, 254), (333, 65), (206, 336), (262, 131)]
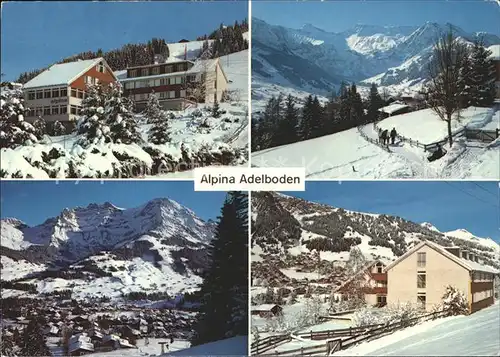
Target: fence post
[(311, 334), (498, 132), (350, 330), (302, 350)]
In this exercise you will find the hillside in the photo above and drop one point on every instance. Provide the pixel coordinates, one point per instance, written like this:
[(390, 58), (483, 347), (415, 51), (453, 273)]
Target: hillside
[(102, 250), (287, 230)]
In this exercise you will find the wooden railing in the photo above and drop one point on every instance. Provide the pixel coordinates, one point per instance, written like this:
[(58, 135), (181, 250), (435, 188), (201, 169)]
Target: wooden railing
[(268, 343), (483, 135), (373, 141), (342, 339)]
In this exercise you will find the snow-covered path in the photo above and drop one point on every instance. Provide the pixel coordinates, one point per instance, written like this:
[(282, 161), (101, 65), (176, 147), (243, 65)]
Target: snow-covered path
[(474, 335)]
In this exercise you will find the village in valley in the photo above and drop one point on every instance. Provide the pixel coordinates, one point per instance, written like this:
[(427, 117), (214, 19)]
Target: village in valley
[(330, 281), (155, 108), (376, 101)]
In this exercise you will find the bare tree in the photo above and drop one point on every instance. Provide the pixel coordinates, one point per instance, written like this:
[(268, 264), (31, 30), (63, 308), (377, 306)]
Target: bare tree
[(446, 73)]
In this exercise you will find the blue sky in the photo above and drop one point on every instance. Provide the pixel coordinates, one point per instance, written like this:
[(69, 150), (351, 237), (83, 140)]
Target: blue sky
[(336, 16), (447, 205), (35, 201), (37, 34)]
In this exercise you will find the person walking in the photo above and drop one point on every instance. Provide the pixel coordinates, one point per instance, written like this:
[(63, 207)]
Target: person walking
[(393, 135)]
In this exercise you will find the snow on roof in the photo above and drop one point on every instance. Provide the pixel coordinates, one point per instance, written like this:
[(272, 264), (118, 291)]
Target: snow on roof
[(63, 73), (235, 346), (467, 264), (393, 108), (495, 52), (263, 307), (168, 61)]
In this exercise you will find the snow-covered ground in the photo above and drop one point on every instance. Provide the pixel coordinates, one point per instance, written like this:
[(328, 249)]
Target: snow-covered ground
[(235, 346), (474, 335), (348, 155)]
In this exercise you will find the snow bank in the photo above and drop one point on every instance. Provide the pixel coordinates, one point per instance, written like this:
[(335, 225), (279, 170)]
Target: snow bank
[(235, 346)]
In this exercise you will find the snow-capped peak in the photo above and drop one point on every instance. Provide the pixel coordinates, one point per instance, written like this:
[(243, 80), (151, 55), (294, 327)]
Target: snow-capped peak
[(429, 226)]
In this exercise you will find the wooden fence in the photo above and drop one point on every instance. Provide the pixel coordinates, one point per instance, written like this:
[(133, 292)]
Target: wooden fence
[(373, 141), (483, 135), (268, 343), (346, 338)]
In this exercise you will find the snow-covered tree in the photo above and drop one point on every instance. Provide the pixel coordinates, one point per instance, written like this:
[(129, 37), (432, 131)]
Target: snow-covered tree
[(58, 128), (159, 131), (455, 301), (40, 127), (92, 124), (118, 110), (375, 102), (447, 79), (216, 109), (14, 130), (480, 79), (356, 261)]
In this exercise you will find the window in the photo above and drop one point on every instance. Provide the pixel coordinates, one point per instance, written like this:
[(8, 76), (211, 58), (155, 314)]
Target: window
[(162, 94), (31, 95), (464, 255), (80, 94), (64, 92), (101, 68), (151, 83), (183, 93), (380, 268), (129, 85), (46, 110), (191, 78), (133, 73), (421, 281), (88, 79), (73, 109), (157, 82), (421, 299), (73, 92), (144, 72), (421, 259), (171, 94), (96, 80), (63, 109), (156, 70), (55, 93), (381, 283), (168, 69), (55, 110), (38, 111), (46, 93), (39, 94), (381, 299)]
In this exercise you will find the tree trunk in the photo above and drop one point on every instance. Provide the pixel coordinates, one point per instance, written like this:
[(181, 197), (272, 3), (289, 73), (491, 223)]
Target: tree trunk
[(450, 136)]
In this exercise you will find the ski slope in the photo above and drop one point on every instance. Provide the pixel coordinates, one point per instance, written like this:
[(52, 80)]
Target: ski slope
[(474, 335), (234, 346)]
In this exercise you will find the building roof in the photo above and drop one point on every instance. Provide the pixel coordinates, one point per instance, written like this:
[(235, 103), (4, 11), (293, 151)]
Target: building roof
[(264, 307), (168, 61), (467, 264), (495, 52), (367, 266), (63, 73), (393, 108)]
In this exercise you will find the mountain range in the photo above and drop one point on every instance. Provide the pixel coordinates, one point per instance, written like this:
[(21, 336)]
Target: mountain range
[(287, 233), (104, 250), (317, 61)]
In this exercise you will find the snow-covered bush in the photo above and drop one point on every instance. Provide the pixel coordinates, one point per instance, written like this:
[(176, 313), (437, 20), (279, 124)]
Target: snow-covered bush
[(14, 130), (389, 314), (454, 301), (58, 128), (40, 127), (159, 131), (92, 125), (307, 316)]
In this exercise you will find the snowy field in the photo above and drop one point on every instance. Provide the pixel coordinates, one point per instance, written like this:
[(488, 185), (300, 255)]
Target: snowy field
[(235, 346), (349, 155), (474, 335)]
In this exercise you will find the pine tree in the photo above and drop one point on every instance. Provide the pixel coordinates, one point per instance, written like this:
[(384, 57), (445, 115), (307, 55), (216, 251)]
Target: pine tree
[(159, 131), (374, 104), (33, 342), (224, 289), (40, 127), (288, 125), (480, 78), (344, 107), (356, 106), (331, 116), (120, 118), (92, 125), (305, 125), (14, 130), (216, 109), (316, 124)]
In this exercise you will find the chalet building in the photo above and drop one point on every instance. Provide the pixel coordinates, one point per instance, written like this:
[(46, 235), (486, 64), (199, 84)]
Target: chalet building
[(370, 281), (178, 84), (422, 274), (394, 108), (57, 93), (495, 56), (267, 310)]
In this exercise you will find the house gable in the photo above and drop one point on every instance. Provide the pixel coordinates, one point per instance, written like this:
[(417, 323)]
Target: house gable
[(105, 78)]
